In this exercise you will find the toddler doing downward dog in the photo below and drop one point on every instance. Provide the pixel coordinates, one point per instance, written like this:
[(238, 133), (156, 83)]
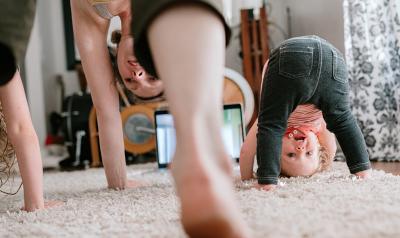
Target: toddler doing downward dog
[(305, 97), (307, 145)]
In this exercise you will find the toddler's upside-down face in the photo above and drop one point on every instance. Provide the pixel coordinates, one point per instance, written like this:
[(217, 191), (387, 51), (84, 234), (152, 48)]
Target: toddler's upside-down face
[(300, 154)]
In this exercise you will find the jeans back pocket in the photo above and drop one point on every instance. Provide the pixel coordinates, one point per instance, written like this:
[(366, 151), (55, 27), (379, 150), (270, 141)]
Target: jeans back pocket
[(296, 62), (339, 69)]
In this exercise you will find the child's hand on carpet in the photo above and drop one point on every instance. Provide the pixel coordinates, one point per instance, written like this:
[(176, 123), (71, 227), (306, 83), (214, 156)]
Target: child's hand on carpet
[(364, 174), (265, 187)]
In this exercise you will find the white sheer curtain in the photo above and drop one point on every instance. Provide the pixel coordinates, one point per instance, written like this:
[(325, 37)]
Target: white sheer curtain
[(372, 42)]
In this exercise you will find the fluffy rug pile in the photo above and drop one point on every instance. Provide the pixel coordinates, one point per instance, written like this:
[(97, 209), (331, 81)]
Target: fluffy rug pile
[(330, 204)]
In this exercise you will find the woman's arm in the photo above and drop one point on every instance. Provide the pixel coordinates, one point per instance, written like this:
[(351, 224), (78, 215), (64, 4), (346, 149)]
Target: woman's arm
[(25, 141), (90, 31), (248, 152)]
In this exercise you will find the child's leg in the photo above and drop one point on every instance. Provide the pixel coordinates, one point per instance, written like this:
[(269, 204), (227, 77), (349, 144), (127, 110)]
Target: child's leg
[(24, 139), (188, 45)]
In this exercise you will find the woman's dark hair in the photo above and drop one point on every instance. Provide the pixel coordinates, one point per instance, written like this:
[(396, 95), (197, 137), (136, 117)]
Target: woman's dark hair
[(116, 39)]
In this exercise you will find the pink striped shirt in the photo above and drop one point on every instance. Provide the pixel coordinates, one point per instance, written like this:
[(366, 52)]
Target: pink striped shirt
[(307, 115)]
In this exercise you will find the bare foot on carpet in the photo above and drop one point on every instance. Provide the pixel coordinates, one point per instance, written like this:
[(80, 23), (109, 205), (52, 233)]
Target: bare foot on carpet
[(47, 204), (208, 207)]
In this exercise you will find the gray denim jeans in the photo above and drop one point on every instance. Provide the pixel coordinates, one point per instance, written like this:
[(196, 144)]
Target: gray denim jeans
[(306, 70)]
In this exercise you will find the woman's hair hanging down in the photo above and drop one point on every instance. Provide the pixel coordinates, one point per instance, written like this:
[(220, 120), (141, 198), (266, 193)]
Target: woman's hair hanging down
[(112, 51), (116, 36), (7, 156)]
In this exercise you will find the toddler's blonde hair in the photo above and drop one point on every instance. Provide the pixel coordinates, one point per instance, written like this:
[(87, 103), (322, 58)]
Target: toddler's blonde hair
[(324, 161)]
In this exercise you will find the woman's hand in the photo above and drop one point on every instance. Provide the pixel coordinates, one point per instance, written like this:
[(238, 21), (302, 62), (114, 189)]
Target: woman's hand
[(52, 203), (134, 184), (47, 204)]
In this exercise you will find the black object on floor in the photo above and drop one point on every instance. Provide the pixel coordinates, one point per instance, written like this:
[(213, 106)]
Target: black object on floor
[(75, 118), (71, 164)]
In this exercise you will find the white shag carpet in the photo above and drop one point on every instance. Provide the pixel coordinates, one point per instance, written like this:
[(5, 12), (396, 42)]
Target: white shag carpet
[(330, 204)]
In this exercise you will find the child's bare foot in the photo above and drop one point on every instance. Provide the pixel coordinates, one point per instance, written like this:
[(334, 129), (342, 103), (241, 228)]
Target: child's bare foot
[(364, 174), (207, 198)]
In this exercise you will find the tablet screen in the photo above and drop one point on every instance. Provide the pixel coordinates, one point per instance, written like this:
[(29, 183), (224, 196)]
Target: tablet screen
[(232, 134)]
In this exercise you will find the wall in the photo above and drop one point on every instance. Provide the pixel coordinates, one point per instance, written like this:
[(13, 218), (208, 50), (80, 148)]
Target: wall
[(54, 54), (318, 17), (308, 17), (232, 58), (45, 59), (398, 6), (32, 76)]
